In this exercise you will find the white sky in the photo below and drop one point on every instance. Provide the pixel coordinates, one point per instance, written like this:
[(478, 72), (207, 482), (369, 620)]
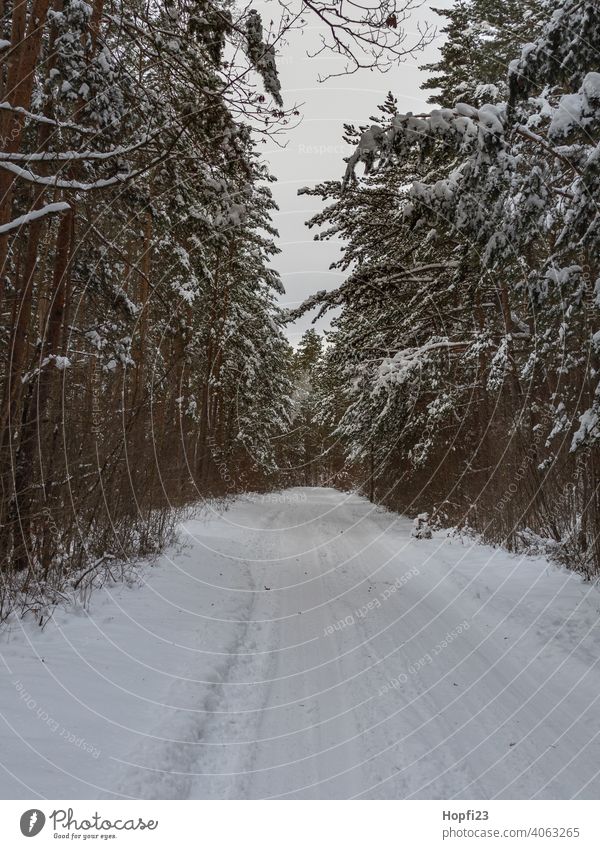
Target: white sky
[(315, 149)]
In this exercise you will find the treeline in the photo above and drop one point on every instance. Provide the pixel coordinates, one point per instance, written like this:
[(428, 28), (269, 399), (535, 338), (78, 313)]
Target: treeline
[(309, 452), (463, 362), (138, 307), (142, 358)]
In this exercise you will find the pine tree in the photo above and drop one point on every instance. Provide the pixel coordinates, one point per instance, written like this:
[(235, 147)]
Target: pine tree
[(481, 38), (138, 302), (469, 313)]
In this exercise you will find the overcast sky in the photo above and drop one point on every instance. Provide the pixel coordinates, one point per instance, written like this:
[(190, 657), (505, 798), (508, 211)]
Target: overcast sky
[(315, 149)]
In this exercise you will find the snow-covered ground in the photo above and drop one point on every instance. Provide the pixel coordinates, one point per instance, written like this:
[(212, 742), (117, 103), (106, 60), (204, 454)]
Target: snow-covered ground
[(304, 645)]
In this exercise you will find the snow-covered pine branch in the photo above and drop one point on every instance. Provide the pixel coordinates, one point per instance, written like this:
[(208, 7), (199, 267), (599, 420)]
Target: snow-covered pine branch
[(34, 215)]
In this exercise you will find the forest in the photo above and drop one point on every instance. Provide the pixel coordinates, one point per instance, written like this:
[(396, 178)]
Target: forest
[(144, 359), (461, 375)]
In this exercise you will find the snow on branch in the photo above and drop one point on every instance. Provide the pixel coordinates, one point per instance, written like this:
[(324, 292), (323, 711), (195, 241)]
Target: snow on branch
[(30, 217), (104, 183), (368, 147), (73, 155), (262, 56), (321, 298), (567, 43), (328, 300), (56, 182), (397, 369), (465, 126), (43, 119)]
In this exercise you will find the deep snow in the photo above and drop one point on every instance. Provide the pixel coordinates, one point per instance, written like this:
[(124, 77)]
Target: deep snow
[(304, 645)]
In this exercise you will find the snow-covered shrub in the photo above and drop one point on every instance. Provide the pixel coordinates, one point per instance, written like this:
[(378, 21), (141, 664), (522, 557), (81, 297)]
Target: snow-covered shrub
[(421, 527)]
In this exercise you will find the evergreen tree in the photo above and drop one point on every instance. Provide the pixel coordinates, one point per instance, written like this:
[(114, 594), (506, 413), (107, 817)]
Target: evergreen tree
[(142, 344), (481, 39), (469, 313)]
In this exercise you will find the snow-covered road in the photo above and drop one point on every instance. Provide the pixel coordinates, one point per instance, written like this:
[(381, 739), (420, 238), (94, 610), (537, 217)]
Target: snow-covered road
[(303, 645)]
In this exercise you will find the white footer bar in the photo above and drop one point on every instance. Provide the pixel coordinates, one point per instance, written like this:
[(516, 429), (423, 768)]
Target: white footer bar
[(301, 824)]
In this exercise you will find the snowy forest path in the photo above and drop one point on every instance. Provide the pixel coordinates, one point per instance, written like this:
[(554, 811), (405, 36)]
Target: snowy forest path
[(371, 671), (303, 644)]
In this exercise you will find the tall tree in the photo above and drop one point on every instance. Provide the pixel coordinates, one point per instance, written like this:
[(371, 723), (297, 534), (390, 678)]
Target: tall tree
[(470, 304)]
